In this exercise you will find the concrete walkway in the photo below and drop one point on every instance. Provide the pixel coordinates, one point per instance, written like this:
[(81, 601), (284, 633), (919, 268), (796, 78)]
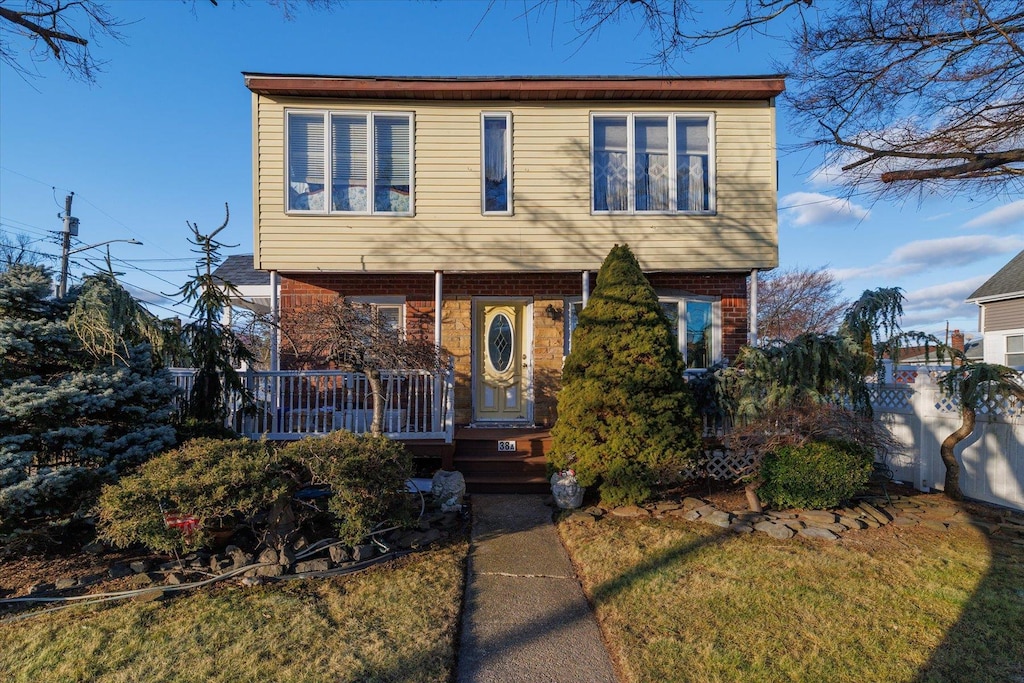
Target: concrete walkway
[(525, 616)]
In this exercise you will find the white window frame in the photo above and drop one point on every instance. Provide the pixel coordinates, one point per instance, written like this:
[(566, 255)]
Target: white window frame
[(378, 302), (370, 169), (484, 115), (1007, 353), (672, 117)]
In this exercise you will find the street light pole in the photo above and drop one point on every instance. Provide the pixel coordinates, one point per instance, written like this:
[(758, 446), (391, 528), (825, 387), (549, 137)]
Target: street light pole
[(70, 228), (64, 260)]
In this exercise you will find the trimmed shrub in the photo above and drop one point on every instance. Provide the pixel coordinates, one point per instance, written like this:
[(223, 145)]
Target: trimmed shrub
[(626, 419), (367, 476), (815, 475), (216, 481)]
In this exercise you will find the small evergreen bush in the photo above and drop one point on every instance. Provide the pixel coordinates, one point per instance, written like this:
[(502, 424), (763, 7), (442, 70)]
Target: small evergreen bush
[(216, 481), (815, 475), (367, 476), (626, 419)]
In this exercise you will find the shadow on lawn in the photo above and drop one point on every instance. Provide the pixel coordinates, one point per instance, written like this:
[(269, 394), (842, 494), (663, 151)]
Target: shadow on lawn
[(985, 643)]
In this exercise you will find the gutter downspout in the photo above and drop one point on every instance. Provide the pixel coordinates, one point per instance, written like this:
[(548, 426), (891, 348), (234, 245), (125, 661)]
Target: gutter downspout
[(439, 379), (586, 287)]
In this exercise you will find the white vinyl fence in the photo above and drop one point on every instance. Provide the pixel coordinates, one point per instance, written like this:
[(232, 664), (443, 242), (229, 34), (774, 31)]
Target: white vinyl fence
[(920, 417)]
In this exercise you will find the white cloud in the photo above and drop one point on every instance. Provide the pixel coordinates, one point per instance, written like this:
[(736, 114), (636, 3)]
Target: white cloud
[(1008, 215), (828, 175), (921, 255), (813, 208)]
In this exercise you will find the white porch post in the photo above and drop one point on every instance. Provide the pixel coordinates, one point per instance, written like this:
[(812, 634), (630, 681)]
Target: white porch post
[(586, 287), (439, 377), (275, 349), (752, 310)]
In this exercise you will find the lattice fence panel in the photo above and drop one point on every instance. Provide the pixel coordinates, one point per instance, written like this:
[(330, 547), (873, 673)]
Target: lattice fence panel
[(721, 465)]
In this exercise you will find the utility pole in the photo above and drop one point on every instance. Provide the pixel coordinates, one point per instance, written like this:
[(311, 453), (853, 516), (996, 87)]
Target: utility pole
[(70, 230)]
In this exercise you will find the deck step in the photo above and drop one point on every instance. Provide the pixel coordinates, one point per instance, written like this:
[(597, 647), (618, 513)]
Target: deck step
[(481, 484)]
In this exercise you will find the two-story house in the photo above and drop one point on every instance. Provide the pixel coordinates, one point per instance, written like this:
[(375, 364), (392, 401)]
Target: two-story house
[(476, 211), (1000, 302)]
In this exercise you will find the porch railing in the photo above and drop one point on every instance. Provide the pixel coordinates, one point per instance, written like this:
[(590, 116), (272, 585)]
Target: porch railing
[(291, 404)]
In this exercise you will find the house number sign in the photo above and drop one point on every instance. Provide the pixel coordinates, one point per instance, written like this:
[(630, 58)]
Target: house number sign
[(506, 446)]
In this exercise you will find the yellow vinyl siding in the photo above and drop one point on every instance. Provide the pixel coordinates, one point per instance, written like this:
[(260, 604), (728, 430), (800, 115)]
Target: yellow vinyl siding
[(552, 227)]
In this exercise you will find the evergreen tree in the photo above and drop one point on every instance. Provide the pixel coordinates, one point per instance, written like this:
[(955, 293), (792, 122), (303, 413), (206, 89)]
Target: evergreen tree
[(626, 419), (214, 349), (69, 420)]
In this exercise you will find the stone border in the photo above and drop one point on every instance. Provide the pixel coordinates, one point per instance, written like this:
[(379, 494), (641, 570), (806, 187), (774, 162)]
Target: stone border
[(872, 512)]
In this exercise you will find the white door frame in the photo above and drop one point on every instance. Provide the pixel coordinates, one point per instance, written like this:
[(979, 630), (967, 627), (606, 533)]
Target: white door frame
[(476, 350)]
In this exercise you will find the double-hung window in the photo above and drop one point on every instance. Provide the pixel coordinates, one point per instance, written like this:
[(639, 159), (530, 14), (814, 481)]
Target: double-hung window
[(496, 163), (349, 162), (652, 163), (386, 314), (1015, 350)]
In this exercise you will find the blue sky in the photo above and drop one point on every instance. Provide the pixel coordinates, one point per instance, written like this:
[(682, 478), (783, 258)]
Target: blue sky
[(164, 137)]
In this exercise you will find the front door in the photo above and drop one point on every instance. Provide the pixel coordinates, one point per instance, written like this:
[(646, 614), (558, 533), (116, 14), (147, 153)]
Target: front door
[(500, 361)]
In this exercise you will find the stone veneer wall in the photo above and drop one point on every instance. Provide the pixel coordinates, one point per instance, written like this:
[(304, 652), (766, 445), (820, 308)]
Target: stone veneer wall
[(544, 289)]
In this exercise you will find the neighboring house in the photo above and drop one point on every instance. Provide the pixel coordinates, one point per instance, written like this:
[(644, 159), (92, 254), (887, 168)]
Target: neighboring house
[(1001, 315), (252, 286), (476, 211)]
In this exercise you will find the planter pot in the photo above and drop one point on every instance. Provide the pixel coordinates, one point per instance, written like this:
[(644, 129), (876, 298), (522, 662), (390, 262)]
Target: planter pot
[(566, 491)]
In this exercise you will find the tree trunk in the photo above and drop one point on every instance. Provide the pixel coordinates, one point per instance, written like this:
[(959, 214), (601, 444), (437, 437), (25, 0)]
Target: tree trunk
[(753, 502), (377, 389), (967, 417)]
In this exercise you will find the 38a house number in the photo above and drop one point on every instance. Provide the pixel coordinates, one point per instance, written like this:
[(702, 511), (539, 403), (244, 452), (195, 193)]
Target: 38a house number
[(506, 446)]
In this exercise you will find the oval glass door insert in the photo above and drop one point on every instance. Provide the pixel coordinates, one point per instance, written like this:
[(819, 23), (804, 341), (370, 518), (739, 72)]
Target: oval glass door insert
[(499, 342)]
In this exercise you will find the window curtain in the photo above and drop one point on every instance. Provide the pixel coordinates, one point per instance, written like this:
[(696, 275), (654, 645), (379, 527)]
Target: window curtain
[(611, 164), (495, 164), (692, 186), (651, 164)]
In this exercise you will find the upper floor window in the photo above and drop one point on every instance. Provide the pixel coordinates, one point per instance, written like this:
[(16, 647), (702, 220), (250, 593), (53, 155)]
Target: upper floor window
[(652, 163), (366, 156), (496, 163), (1015, 350)]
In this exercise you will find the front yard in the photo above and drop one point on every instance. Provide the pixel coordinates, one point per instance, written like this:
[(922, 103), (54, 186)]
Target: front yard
[(397, 622), (681, 601)]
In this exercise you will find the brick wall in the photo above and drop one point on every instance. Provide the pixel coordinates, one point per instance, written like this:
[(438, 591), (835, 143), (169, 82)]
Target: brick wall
[(543, 289)]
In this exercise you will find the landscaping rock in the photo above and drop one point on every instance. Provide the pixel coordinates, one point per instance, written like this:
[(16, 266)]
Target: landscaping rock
[(319, 565), (836, 528), (986, 527), (119, 571), (775, 530), (691, 515), (174, 579), (874, 513), (300, 544), (691, 503), (339, 554), (852, 522), (368, 550), (140, 566), (66, 583), (818, 517), (239, 558), (935, 525), (581, 517), (595, 511), (629, 511), (794, 524), (717, 518), (819, 533), (144, 579), (741, 528), (666, 506), (269, 571), (37, 588), (781, 514), (94, 548), (268, 556)]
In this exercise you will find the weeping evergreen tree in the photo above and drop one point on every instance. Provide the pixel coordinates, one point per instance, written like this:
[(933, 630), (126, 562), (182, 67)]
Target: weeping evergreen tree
[(74, 412), (626, 419), (214, 350)]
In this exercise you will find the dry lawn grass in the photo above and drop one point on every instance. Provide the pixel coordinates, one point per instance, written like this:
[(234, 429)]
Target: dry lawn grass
[(392, 623), (680, 601)]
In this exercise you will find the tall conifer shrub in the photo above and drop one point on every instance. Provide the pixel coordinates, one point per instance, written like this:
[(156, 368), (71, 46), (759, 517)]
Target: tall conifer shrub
[(626, 419)]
